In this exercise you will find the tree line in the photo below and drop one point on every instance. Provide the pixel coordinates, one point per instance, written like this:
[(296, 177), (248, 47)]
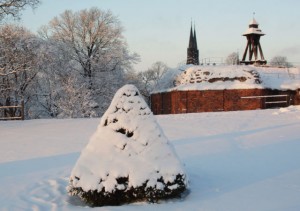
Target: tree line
[(71, 68), (276, 61)]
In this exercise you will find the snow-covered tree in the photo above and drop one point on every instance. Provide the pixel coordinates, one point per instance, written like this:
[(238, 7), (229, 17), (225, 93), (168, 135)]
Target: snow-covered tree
[(60, 90), (128, 158), (94, 38), (14, 7), (18, 65), (75, 100), (232, 59), (280, 61), (147, 80), (96, 50), (72, 70)]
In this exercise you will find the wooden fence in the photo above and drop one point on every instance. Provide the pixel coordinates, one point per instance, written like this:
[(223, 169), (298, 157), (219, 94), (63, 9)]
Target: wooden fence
[(3, 115)]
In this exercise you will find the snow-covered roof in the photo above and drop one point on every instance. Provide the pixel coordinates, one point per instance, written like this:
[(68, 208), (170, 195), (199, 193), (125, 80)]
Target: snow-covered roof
[(253, 28), (253, 22), (229, 77), (253, 31)]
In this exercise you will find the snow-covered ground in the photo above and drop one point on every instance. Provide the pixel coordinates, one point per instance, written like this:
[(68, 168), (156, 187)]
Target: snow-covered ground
[(246, 160)]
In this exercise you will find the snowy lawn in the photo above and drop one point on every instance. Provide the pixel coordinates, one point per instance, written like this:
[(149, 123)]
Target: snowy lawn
[(246, 160)]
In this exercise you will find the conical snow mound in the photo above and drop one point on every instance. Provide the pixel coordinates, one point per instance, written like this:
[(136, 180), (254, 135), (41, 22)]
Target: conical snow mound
[(128, 158)]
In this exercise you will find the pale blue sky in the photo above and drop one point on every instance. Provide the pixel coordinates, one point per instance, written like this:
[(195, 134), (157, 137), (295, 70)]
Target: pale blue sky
[(158, 30)]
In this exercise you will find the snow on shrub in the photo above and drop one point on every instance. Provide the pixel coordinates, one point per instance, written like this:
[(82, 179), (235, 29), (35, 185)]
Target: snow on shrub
[(128, 158)]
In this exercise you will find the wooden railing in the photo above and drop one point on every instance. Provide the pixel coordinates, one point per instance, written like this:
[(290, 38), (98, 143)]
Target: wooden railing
[(21, 112), (273, 101)]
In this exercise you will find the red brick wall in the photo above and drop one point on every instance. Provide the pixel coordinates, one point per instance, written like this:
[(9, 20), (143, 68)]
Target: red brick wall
[(156, 103), (166, 102), (177, 102), (211, 100), (193, 103), (234, 102), (181, 106)]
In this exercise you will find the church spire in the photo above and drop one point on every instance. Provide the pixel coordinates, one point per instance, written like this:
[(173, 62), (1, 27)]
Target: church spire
[(192, 51), (196, 48), (195, 39), (191, 42)]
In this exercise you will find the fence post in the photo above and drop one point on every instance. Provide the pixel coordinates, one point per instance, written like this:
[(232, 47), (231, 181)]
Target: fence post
[(22, 110)]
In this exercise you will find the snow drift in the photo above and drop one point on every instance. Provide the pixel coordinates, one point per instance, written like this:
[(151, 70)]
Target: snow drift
[(241, 160), (128, 158)]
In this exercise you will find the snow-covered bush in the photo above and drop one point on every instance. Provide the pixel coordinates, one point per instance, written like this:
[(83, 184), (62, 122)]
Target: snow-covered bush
[(128, 158)]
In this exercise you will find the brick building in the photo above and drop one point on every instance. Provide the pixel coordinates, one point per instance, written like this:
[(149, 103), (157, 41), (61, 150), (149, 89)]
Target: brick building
[(227, 88)]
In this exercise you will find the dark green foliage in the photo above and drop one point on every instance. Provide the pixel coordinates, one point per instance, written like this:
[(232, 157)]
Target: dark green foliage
[(130, 194)]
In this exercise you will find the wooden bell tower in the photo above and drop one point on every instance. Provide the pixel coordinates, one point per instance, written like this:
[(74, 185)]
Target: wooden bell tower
[(253, 35)]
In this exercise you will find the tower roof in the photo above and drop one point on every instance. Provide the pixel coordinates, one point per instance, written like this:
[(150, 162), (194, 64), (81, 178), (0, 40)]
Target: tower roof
[(253, 29), (253, 22)]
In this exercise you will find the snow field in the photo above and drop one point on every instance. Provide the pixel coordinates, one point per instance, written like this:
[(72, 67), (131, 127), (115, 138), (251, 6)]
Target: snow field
[(235, 161)]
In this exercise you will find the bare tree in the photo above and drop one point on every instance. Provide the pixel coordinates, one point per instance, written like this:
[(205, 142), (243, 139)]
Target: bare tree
[(280, 61), (149, 78), (14, 7), (232, 59), (158, 69)]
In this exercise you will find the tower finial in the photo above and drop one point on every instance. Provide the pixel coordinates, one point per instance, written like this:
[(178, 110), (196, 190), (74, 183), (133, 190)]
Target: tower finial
[(253, 15)]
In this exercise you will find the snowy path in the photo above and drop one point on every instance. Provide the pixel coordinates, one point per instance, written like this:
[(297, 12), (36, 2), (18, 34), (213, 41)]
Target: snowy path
[(235, 161)]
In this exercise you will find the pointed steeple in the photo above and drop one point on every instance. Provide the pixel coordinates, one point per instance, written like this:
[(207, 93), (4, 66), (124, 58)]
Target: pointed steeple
[(191, 42), (195, 39), (196, 48), (192, 51)]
